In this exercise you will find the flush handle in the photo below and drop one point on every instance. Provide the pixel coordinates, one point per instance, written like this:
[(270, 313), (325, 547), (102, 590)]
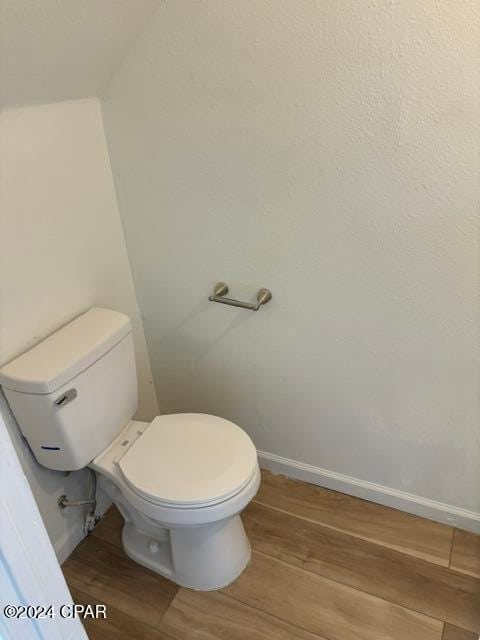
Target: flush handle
[(66, 397)]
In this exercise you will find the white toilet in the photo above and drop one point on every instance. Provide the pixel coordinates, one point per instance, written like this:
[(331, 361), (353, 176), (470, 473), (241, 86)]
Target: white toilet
[(179, 481)]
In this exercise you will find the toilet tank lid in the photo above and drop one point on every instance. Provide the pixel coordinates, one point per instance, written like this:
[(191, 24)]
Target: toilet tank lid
[(53, 362)]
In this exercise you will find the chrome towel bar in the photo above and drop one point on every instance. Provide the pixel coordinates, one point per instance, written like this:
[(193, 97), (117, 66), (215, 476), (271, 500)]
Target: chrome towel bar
[(221, 289)]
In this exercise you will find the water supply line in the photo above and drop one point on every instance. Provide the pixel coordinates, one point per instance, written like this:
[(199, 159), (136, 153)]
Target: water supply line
[(90, 519)]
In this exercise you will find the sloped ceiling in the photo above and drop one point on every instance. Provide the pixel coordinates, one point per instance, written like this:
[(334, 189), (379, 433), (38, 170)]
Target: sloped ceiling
[(63, 49)]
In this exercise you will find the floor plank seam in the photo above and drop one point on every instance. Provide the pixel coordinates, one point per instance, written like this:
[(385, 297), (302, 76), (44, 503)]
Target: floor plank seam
[(368, 593), (451, 548), (164, 614), (109, 607), (85, 586), (272, 615), (352, 534)]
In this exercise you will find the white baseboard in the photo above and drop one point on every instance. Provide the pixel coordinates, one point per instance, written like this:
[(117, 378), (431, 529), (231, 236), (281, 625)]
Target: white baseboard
[(431, 509)]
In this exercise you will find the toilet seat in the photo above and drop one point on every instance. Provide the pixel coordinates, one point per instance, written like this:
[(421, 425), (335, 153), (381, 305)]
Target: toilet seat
[(189, 460)]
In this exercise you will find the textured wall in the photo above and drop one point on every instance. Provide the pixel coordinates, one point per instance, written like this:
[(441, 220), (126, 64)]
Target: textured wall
[(327, 150), (62, 251)]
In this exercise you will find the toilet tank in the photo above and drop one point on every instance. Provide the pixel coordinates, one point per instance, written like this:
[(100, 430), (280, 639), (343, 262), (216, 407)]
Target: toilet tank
[(73, 392)]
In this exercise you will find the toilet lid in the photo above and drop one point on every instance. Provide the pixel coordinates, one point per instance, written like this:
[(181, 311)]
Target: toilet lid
[(189, 459)]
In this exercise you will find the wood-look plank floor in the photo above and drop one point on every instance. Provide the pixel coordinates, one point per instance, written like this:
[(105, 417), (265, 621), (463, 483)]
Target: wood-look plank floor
[(466, 553), (325, 566), (214, 615), (103, 571), (387, 527), (396, 577), (454, 633)]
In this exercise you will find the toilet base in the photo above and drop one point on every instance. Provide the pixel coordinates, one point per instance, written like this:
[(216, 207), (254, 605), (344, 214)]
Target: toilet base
[(177, 543), (204, 558)]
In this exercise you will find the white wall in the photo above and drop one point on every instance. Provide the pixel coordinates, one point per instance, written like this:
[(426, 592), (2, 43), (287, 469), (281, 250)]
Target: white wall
[(62, 251), (52, 50), (329, 151)]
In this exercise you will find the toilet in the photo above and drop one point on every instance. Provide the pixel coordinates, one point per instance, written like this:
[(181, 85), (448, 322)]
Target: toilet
[(180, 481)]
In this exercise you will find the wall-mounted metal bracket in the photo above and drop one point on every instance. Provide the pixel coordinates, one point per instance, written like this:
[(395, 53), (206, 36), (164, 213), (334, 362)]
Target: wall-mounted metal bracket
[(221, 289)]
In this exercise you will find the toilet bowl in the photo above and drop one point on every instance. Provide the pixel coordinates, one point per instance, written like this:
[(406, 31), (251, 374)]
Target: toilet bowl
[(180, 481), (183, 522)]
